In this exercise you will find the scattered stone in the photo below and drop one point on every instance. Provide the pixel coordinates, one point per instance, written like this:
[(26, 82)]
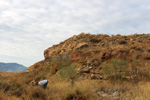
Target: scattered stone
[(104, 95), (116, 94), (81, 45), (85, 70), (90, 67), (112, 94), (101, 77)]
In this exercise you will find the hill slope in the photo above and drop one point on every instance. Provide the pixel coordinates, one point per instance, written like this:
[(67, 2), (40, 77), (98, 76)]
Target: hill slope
[(93, 52), (11, 67), (86, 67)]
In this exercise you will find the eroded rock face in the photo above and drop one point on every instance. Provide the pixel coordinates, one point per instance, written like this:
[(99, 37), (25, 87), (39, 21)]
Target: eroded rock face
[(74, 43), (107, 46), (93, 50)]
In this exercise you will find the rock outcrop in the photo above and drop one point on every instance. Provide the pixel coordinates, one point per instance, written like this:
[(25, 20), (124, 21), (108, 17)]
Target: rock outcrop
[(91, 51)]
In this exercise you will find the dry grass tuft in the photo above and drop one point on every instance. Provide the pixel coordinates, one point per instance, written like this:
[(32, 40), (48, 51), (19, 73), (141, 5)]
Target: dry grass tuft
[(139, 92)]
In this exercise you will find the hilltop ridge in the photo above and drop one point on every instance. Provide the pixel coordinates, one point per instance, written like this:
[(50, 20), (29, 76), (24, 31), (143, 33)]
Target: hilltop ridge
[(135, 45), (92, 52)]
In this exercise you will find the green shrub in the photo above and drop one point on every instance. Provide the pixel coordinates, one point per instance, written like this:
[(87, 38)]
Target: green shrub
[(47, 69), (40, 76), (58, 62), (116, 69), (135, 64), (107, 70), (119, 65), (68, 72)]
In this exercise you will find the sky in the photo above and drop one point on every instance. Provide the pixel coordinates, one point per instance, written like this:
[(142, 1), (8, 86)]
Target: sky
[(28, 27)]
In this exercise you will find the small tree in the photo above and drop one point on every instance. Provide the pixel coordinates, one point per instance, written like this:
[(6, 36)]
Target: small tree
[(69, 72), (116, 69), (58, 62)]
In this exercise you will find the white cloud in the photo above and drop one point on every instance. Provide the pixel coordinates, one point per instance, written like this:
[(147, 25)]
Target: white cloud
[(28, 27)]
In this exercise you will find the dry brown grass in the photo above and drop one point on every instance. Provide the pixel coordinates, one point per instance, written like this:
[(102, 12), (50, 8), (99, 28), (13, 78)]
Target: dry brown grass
[(61, 89), (138, 92)]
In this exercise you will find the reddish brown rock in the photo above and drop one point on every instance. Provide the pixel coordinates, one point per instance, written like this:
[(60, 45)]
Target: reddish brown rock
[(93, 51)]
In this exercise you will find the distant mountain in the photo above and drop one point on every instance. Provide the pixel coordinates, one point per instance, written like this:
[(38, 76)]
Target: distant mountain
[(11, 67)]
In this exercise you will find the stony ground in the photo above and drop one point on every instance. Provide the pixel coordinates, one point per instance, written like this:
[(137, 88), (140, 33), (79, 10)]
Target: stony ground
[(86, 67)]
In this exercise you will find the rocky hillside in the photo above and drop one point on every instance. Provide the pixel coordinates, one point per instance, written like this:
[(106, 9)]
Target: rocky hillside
[(11, 67), (93, 52), (86, 67)]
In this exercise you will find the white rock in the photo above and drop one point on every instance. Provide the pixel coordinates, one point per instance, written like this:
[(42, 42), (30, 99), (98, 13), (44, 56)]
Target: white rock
[(115, 94)]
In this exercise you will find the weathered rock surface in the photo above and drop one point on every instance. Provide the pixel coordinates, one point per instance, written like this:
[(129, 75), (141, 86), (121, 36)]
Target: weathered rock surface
[(92, 51)]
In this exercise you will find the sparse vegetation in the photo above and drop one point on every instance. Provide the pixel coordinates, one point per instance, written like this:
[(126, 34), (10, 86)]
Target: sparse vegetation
[(75, 95), (40, 76), (58, 62), (68, 72), (91, 69), (116, 70)]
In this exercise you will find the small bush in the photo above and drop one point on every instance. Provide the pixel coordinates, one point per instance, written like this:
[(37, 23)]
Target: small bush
[(68, 72), (38, 94), (116, 69), (66, 59), (135, 64), (75, 95), (12, 88), (107, 70), (40, 76), (47, 69), (58, 62), (36, 66), (119, 65)]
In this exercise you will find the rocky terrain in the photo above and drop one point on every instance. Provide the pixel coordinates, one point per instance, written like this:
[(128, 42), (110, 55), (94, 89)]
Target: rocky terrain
[(86, 67), (92, 52)]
